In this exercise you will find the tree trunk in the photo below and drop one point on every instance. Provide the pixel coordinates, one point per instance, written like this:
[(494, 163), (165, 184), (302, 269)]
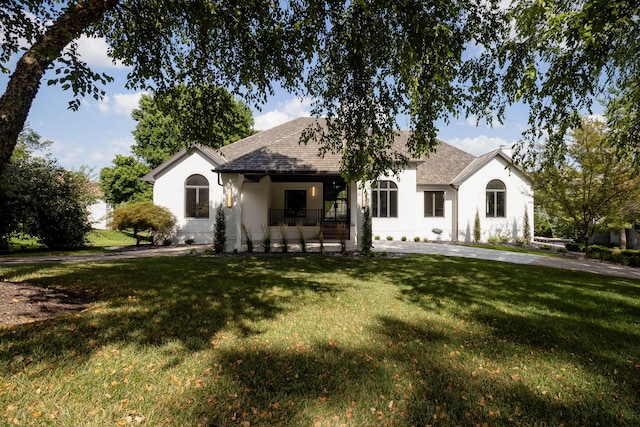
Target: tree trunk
[(24, 83), (623, 238)]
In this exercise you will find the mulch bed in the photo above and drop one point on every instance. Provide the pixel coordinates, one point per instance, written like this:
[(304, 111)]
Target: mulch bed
[(24, 303)]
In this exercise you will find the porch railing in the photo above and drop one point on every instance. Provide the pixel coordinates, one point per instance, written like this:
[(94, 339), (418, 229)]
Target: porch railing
[(307, 217)]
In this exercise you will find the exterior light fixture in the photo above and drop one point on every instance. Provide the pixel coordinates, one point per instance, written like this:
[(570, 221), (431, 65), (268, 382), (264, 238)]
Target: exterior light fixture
[(313, 191), (229, 199)]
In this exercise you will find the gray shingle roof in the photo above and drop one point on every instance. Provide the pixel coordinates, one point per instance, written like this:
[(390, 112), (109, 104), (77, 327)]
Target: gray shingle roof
[(278, 150), (443, 166)]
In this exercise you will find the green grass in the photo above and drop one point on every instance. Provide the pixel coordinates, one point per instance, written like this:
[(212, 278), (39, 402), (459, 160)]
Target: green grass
[(98, 241), (314, 341)]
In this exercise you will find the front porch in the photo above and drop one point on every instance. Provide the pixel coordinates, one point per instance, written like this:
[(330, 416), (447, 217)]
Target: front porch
[(288, 204)]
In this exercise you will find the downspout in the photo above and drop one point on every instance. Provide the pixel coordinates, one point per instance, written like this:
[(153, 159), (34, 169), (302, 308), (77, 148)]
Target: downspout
[(454, 213)]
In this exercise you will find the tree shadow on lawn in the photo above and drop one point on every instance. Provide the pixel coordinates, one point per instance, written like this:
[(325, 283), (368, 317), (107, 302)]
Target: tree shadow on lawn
[(150, 302), (412, 380)]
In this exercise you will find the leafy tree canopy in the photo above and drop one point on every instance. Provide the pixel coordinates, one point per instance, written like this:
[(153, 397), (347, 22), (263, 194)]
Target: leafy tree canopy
[(591, 185), (182, 116), (365, 63), (121, 182), (561, 57), (42, 199)]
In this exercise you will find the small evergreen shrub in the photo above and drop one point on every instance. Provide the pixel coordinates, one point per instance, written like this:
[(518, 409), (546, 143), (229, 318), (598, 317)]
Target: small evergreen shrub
[(403, 238), (207, 251), (477, 234), (389, 238), (190, 241), (574, 247), (416, 239), (219, 230), (376, 238)]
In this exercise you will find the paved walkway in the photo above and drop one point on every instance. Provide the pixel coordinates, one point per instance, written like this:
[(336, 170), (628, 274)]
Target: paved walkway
[(390, 246)]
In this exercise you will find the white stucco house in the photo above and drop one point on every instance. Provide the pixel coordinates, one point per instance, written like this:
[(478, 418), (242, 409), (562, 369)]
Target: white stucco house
[(269, 179)]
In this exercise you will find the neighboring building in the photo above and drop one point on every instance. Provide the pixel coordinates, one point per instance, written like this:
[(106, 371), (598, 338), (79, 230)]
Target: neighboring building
[(100, 211), (269, 179)]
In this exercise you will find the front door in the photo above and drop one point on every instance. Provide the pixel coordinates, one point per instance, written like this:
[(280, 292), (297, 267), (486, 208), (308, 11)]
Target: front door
[(336, 201)]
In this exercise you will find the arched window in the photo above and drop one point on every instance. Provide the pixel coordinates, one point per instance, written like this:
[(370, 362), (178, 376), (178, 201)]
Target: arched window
[(496, 199), (384, 200), (196, 190)]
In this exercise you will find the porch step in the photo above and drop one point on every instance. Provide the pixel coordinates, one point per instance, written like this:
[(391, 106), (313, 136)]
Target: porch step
[(331, 231)]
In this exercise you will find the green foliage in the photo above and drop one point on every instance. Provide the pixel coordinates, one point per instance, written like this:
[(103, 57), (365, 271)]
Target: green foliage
[(284, 242), (144, 216), (550, 44), (590, 184), (220, 230), (182, 116), (302, 240), (121, 182), (39, 198), (363, 63), (366, 242), (248, 238), (477, 234), (526, 227), (286, 333), (266, 238)]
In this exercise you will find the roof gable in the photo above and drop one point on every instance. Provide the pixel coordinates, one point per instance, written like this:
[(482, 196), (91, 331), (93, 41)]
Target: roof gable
[(482, 161), (208, 153)]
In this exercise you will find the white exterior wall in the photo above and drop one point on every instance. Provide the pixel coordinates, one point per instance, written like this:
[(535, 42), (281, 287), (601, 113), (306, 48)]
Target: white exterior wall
[(425, 225), (169, 191), (472, 198), (406, 223)]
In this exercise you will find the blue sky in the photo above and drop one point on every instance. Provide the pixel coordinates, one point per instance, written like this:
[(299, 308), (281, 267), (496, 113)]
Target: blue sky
[(99, 130)]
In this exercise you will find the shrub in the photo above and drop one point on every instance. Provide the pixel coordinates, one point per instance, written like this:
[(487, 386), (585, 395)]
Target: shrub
[(384, 253), (207, 251), (144, 216), (320, 238), (476, 228), (403, 238), (167, 242), (503, 239), (493, 240), (266, 238), (389, 238), (416, 239), (377, 238), (302, 240), (248, 238), (219, 230), (574, 247), (284, 243), (189, 241)]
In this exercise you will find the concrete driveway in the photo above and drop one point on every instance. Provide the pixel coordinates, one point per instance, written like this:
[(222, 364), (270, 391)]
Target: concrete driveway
[(566, 263)]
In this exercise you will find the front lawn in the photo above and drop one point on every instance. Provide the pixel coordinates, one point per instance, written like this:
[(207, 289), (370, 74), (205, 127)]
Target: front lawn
[(326, 340)]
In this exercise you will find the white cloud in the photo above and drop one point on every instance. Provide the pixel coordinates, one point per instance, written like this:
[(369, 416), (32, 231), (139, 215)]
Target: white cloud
[(479, 145), (94, 51), (120, 103), (284, 112)]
